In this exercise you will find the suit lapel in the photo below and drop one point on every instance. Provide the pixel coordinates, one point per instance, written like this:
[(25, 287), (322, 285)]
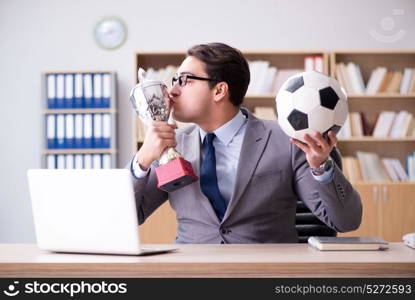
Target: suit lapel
[(255, 140), (191, 152)]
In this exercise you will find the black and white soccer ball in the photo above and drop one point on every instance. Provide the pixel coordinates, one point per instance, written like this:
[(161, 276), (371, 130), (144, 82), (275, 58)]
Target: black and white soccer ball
[(311, 101)]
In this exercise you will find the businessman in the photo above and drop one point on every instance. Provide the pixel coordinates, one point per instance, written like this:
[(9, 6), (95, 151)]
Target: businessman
[(251, 173)]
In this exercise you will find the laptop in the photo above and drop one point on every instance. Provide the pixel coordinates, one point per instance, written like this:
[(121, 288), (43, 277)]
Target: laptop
[(86, 211)]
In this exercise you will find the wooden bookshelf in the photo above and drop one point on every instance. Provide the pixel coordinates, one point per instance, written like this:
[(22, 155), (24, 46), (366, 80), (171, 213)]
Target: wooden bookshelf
[(372, 105)]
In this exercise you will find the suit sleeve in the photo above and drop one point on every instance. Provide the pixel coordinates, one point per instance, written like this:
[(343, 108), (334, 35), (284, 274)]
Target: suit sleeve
[(336, 203), (147, 196)]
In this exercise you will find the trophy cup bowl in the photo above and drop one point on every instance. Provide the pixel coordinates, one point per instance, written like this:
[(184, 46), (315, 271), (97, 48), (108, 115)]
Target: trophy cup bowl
[(151, 101)]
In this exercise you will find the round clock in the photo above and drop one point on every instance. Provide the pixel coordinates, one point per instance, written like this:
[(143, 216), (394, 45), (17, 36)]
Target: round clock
[(110, 33)]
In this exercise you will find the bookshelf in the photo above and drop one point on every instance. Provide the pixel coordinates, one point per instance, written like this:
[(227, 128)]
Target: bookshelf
[(388, 207), (161, 226), (72, 96), (372, 104)]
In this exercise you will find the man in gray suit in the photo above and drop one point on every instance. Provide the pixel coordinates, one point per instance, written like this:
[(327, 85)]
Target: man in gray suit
[(251, 173)]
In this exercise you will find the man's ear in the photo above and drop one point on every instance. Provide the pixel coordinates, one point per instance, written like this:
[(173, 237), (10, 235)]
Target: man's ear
[(220, 91)]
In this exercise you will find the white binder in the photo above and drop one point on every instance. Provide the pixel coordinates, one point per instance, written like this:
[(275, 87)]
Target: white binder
[(51, 90), (88, 131), (60, 131), (50, 161), (106, 131), (60, 91), (97, 131), (87, 161), (97, 91), (106, 161), (60, 161), (69, 131), (79, 161), (70, 161), (69, 100), (79, 130), (96, 161), (79, 93), (106, 90), (88, 92), (51, 131)]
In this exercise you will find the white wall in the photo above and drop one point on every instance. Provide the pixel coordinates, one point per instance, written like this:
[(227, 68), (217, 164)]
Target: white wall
[(57, 35)]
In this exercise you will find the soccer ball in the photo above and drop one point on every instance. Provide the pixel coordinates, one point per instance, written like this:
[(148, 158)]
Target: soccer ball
[(309, 102)]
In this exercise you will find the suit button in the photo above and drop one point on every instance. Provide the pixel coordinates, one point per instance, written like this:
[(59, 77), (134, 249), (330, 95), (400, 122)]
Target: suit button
[(223, 231)]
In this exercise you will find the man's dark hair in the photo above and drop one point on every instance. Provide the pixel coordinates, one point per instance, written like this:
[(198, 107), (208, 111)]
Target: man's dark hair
[(224, 63)]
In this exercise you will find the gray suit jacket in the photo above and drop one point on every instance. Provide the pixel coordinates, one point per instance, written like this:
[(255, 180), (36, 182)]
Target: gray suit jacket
[(271, 175)]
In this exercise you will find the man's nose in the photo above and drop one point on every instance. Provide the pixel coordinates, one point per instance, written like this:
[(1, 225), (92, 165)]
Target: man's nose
[(174, 90)]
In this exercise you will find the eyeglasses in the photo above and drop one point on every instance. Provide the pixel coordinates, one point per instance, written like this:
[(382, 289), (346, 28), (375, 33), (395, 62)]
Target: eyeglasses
[(182, 79)]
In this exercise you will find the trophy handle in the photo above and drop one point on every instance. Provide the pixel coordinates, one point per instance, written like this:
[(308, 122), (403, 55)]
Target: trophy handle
[(168, 155)]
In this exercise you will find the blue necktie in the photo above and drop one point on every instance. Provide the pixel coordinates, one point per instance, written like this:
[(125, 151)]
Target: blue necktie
[(209, 180)]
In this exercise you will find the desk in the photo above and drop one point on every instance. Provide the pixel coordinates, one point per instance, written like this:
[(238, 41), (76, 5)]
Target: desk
[(256, 260)]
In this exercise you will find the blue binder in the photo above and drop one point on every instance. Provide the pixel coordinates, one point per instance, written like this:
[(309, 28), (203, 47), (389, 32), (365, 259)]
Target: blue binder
[(51, 131), (69, 91), (88, 91), (51, 90), (60, 91), (97, 88), (78, 91), (88, 131), (60, 131), (69, 131), (97, 136), (106, 90), (79, 131)]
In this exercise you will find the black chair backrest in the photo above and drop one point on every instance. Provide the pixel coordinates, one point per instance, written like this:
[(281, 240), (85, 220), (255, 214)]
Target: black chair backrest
[(306, 223)]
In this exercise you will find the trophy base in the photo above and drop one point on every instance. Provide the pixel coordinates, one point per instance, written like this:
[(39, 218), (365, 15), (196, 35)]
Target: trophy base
[(174, 175)]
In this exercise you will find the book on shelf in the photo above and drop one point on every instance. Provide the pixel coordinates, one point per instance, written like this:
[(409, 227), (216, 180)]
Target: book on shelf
[(365, 166), (375, 80), (384, 124), (356, 124), (381, 80), (351, 168), (394, 85), (313, 63), (401, 124), (391, 169), (371, 166), (347, 243), (350, 78), (394, 124), (267, 79)]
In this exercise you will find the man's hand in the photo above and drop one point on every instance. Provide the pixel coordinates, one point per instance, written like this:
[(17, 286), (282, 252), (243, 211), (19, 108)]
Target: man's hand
[(159, 136), (317, 149)]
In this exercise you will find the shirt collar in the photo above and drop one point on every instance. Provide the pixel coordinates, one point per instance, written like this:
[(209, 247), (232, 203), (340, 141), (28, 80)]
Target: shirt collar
[(227, 131)]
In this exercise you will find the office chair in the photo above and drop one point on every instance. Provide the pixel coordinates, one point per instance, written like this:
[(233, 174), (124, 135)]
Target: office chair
[(306, 223)]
